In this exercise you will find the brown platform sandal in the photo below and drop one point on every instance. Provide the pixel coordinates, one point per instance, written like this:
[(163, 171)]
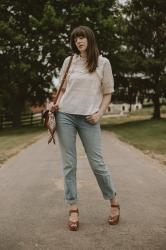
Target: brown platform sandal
[(73, 225), (113, 220)]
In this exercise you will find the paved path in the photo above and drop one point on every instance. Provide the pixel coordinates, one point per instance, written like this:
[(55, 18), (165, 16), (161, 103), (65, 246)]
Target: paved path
[(33, 214)]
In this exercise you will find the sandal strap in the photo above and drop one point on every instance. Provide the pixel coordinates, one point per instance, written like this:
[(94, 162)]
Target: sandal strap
[(73, 211), (115, 205)]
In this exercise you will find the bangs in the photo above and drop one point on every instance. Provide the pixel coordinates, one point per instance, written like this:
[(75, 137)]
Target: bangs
[(78, 32)]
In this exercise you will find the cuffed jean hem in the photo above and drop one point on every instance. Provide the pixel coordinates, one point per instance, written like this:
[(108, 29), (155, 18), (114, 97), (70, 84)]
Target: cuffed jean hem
[(111, 197), (71, 202)]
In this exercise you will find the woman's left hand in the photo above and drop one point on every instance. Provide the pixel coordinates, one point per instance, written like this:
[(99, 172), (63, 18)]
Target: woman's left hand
[(94, 118)]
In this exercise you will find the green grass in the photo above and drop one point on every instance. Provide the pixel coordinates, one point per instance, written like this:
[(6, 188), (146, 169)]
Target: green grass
[(148, 111), (13, 140), (141, 131)]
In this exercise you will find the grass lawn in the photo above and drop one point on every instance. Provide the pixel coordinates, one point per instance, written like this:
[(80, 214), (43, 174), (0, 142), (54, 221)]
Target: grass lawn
[(141, 131), (13, 140)]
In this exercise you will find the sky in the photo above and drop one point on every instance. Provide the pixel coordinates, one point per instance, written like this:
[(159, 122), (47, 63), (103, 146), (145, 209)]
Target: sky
[(122, 1)]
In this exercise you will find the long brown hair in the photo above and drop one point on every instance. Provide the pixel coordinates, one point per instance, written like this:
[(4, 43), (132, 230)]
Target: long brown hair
[(92, 49)]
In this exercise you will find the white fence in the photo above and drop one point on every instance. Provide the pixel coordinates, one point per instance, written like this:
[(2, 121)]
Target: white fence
[(122, 108)]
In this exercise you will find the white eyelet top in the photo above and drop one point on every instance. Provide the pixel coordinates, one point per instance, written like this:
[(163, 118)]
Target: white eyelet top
[(84, 90)]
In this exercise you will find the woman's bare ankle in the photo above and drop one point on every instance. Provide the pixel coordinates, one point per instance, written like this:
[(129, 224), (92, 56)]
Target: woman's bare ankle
[(73, 207)]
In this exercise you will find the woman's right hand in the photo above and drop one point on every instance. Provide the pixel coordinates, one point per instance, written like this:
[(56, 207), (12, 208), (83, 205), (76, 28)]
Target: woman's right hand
[(54, 108)]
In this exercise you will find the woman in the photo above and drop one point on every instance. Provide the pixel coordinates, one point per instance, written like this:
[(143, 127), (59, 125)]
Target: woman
[(81, 104)]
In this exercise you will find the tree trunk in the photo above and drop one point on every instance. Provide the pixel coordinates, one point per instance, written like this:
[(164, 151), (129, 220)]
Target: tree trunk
[(16, 112), (156, 97), (17, 119), (156, 111), (130, 96)]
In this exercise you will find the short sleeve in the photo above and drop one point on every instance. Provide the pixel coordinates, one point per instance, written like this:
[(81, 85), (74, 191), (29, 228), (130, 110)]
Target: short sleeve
[(107, 80)]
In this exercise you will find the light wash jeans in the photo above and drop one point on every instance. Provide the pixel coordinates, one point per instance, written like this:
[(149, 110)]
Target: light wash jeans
[(67, 127)]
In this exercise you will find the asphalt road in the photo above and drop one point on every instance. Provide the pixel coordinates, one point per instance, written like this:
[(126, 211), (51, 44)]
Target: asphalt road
[(33, 214)]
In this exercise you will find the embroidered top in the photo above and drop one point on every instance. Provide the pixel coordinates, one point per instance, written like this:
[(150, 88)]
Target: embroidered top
[(84, 90)]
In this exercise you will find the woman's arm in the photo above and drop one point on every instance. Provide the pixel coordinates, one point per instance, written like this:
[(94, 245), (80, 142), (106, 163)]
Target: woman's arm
[(104, 105), (55, 107)]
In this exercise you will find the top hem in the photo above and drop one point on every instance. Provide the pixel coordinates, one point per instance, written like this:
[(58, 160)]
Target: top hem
[(76, 113)]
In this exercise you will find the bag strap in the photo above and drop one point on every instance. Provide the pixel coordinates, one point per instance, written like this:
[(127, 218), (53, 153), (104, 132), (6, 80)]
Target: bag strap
[(63, 80)]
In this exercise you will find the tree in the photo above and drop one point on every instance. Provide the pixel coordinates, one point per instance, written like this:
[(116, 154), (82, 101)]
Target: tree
[(25, 72), (145, 37), (35, 40)]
